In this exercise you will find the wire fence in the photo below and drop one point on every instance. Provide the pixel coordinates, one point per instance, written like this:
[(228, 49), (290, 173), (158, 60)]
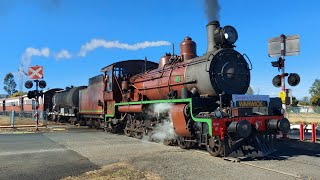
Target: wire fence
[(304, 114), (12, 118)]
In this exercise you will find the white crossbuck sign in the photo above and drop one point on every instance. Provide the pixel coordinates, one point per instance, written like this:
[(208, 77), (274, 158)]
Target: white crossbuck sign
[(35, 72)]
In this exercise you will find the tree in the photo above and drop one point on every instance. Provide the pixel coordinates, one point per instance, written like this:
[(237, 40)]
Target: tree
[(250, 91), (304, 101), (315, 93), (294, 101), (20, 93), (9, 84)]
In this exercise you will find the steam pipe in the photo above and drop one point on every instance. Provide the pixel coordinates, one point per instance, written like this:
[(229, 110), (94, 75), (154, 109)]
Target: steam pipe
[(211, 27)]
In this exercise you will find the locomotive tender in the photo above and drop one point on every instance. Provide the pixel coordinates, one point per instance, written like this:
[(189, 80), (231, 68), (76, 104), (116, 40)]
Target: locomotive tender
[(208, 107)]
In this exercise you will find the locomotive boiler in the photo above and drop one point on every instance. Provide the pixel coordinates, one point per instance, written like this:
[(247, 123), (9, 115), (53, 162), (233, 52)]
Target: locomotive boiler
[(203, 97), (222, 70)]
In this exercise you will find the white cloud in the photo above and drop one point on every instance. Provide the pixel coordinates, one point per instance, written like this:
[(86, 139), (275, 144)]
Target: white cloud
[(63, 54), (96, 43), (29, 53)]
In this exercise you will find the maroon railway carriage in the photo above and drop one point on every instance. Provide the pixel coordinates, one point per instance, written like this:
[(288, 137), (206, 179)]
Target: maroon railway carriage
[(25, 106)]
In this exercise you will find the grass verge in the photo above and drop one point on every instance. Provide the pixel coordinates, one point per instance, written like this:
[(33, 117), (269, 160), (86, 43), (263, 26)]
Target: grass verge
[(116, 171)]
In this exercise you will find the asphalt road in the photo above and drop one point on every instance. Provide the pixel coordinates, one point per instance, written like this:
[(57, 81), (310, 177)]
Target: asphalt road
[(60, 154), (35, 156)]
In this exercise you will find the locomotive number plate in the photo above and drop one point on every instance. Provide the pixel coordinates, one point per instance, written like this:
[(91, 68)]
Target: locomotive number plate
[(252, 104), (250, 100)]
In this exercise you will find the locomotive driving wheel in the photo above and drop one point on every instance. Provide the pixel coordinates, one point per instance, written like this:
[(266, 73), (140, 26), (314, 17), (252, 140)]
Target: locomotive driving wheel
[(138, 131), (214, 146), (139, 126), (129, 126), (185, 143)]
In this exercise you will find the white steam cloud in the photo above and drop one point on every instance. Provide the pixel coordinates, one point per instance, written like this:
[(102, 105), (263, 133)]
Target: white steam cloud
[(90, 46), (165, 130), (63, 54), (212, 10), (96, 43), (29, 53)]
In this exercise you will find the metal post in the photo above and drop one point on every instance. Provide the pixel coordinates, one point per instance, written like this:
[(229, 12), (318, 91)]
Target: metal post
[(47, 112), (313, 134), (301, 132), (37, 105), (283, 77), (12, 119)]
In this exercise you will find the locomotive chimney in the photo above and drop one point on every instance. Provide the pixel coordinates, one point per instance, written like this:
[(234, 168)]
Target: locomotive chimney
[(211, 27)]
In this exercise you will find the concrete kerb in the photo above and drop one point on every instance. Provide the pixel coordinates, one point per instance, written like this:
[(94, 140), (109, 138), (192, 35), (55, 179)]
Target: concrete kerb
[(29, 129)]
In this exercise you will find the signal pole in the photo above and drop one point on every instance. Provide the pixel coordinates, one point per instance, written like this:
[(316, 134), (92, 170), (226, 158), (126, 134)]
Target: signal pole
[(35, 73), (283, 77), (280, 47), (37, 104)]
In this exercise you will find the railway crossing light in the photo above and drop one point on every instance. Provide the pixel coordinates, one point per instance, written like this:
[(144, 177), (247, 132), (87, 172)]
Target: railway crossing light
[(276, 81), (34, 94), (278, 63), (31, 94), (42, 84), (28, 84), (293, 79)]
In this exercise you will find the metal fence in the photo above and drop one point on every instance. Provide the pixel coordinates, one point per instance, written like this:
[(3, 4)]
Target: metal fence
[(304, 114), (12, 118)]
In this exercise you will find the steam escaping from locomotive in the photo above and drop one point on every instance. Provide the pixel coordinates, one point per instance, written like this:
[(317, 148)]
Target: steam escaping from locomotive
[(212, 10), (165, 130), (28, 54), (97, 43), (162, 107)]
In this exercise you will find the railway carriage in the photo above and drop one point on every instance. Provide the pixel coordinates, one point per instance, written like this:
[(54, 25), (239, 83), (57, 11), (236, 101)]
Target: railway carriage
[(25, 106)]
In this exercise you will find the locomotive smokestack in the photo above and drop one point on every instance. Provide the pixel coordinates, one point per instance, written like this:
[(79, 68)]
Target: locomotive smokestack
[(211, 27)]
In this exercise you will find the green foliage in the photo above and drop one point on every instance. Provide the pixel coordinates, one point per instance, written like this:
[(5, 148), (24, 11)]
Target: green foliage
[(294, 101), (9, 84), (315, 100), (20, 93), (250, 91), (304, 101), (315, 93)]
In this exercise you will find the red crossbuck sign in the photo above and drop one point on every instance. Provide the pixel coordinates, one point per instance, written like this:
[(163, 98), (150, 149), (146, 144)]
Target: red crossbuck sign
[(35, 72)]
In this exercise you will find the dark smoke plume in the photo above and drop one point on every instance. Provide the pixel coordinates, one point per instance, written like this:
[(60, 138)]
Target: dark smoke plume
[(212, 10)]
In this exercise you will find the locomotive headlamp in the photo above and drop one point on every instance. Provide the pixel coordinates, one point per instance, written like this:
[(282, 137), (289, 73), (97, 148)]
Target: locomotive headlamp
[(230, 34), (227, 35)]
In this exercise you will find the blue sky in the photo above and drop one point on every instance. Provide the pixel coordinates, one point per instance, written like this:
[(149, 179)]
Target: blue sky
[(67, 25)]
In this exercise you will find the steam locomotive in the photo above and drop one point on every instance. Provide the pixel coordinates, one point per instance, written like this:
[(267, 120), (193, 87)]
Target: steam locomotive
[(208, 105), (204, 95)]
